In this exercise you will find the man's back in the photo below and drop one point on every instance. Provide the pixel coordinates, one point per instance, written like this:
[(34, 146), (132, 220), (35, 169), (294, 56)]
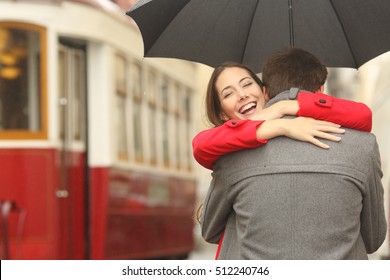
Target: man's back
[(293, 200)]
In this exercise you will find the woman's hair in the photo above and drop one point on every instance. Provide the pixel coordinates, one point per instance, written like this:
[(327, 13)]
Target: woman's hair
[(198, 214), (213, 105)]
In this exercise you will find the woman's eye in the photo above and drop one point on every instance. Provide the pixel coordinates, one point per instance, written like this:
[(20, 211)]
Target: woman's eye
[(248, 84), (227, 94)]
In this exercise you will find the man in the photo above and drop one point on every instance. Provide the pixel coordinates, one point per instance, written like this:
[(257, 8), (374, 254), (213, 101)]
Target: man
[(291, 200)]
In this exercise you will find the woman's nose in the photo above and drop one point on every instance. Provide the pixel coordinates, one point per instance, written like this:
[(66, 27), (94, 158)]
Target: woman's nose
[(242, 94)]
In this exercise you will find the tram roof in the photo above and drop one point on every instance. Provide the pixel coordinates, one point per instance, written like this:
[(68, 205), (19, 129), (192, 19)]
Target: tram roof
[(113, 7)]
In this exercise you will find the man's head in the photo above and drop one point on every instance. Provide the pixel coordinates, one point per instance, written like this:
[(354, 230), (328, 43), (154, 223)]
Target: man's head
[(293, 67)]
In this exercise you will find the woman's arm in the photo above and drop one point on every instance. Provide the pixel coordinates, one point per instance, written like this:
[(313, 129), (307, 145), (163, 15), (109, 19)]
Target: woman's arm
[(324, 107), (235, 135), (344, 112), (302, 129)]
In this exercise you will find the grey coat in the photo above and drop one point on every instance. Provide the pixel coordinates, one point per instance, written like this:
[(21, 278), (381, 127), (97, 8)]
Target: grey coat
[(293, 200)]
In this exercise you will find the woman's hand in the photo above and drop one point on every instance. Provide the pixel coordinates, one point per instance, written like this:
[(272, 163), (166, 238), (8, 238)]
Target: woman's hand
[(278, 110), (302, 129)]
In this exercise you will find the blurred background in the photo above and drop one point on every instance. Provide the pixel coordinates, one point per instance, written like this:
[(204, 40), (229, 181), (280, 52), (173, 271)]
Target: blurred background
[(95, 140)]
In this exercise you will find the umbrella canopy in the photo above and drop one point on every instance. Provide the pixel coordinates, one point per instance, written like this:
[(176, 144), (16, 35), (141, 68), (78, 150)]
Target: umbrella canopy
[(342, 33)]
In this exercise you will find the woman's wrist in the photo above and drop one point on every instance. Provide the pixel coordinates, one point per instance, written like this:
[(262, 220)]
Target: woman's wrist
[(289, 107), (272, 128), (278, 110)]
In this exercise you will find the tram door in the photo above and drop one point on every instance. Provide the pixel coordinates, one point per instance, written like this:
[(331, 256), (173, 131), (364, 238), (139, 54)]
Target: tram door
[(72, 155)]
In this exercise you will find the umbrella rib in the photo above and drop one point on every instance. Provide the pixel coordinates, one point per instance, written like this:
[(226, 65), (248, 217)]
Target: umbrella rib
[(249, 31), (142, 3), (345, 35)]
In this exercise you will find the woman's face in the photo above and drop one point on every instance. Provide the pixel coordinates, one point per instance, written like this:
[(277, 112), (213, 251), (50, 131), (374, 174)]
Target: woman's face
[(240, 96)]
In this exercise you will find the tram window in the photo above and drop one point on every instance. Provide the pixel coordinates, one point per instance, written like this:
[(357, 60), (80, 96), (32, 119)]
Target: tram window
[(183, 123), (121, 128), (165, 121), (78, 112), (62, 93), (121, 101), (22, 92), (186, 105), (151, 93), (177, 94), (153, 117), (137, 111), (71, 79)]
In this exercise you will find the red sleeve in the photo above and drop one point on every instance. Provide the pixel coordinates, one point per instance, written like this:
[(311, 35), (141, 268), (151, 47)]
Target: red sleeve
[(234, 135), (344, 112)]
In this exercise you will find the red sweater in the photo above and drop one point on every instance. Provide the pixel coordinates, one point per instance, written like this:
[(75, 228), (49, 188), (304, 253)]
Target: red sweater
[(234, 135)]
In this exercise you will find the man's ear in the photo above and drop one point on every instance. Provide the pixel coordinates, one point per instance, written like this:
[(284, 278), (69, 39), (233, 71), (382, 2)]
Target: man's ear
[(265, 92)]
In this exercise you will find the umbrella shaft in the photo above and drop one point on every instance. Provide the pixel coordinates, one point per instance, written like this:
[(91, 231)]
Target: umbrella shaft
[(291, 22)]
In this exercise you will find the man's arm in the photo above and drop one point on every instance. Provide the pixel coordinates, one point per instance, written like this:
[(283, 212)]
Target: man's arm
[(216, 209), (373, 222)]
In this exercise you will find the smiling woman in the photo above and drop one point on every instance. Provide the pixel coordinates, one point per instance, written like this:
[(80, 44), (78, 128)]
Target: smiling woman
[(239, 94), (235, 95)]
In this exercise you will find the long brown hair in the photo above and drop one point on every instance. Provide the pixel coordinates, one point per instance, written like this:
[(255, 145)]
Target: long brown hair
[(213, 104)]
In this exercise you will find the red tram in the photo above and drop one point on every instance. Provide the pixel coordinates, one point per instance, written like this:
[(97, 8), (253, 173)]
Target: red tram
[(95, 155)]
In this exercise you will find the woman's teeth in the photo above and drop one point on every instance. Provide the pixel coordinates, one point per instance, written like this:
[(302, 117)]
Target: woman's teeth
[(248, 107)]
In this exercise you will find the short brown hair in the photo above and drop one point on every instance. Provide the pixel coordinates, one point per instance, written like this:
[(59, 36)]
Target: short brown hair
[(293, 67), (213, 105)]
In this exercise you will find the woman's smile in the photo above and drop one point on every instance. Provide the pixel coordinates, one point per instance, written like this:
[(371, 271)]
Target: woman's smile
[(248, 109)]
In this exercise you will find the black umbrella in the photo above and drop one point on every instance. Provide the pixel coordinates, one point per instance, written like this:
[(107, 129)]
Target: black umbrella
[(343, 33)]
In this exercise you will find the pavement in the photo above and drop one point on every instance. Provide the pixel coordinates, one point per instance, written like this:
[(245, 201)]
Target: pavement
[(204, 253), (203, 250)]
